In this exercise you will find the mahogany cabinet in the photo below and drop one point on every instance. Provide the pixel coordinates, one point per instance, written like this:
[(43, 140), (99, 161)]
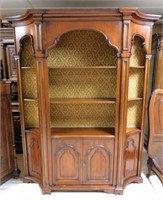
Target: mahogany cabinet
[(155, 145), (7, 165), (83, 79)]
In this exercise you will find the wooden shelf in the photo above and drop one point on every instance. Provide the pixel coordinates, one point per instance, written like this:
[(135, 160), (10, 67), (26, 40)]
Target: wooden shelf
[(33, 100), (81, 100), (82, 132), (132, 130), (28, 67), (138, 67), (83, 67), (135, 99)]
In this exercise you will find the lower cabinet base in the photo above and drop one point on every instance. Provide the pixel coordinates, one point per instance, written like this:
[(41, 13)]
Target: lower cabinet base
[(110, 189)]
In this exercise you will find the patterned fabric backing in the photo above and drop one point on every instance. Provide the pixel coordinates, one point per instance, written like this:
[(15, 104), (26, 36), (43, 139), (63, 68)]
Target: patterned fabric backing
[(136, 82), (27, 57), (82, 48), (82, 83), (29, 83), (134, 114), (82, 115), (31, 114)]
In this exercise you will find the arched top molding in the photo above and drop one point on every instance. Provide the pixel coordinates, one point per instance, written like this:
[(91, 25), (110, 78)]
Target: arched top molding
[(97, 147), (22, 39), (59, 37), (74, 14), (142, 39)]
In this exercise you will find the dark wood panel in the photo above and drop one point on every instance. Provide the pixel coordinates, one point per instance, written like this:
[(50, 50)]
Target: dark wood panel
[(6, 134), (155, 144)]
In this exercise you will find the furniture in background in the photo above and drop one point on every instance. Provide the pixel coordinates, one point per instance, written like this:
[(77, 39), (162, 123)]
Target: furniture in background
[(156, 75), (83, 79), (8, 167), (155, 145), (9, 74), (155, 137), (158, 61)]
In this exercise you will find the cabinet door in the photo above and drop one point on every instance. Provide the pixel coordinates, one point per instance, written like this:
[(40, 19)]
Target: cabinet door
[(98, 161), (34, 154), (66, 161), (131, 155)]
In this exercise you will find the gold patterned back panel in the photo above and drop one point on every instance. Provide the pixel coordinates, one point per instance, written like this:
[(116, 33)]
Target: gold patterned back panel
[(27, 57), (137, 53), (134, 114), (82, 115), (31, 114), (82, 48), (29, 83), (82, 83), (136, 82)]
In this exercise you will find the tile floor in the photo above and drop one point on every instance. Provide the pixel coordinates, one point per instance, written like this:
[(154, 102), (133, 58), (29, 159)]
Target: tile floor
[(150, 189)]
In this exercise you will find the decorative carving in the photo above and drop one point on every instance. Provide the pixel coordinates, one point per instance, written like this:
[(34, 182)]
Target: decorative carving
[(97, 163), (34, 155), (34, 143), (65, 146)]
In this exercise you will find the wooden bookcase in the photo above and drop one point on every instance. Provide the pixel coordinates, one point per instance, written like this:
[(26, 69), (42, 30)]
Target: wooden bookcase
[(83, 77)]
